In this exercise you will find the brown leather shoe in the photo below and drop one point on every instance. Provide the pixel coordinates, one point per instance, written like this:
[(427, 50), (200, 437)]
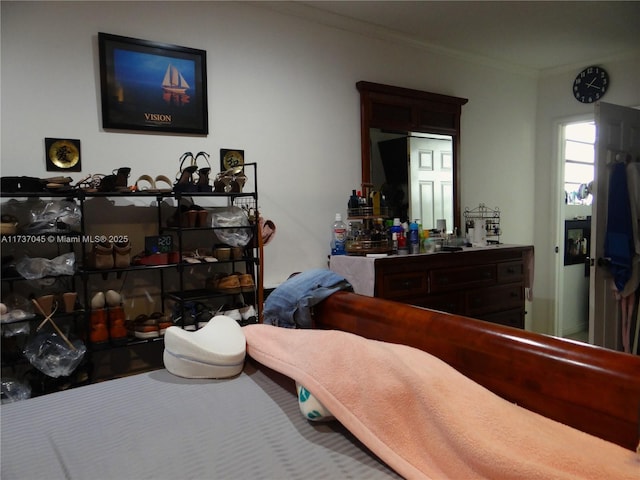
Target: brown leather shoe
[(101, 256), (246, 282), (229, 284), (121, 254)]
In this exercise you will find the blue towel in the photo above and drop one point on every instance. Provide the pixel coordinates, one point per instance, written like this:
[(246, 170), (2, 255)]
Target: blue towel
[(290, 304), (618, 240)]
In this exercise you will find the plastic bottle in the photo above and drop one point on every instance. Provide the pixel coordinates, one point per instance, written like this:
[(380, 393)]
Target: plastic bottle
[(396, 232), (338, 236), (414, 238)]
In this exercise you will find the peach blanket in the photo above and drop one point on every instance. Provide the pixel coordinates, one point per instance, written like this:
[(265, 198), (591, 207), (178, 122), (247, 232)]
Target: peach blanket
[(426, 420)]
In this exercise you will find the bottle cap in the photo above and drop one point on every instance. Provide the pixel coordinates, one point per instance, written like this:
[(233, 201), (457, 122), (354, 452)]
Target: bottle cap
[(413, 226), (396, 221), (338, 217)]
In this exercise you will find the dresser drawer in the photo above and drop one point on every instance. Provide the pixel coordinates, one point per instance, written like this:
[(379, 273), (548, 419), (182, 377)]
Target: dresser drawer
[(443, 302), (446, 279), (510, 272), (398, 285), (510, 318), (494, 299)]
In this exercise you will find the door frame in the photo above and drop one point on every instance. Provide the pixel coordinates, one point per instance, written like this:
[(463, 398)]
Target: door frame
[(558, 208)]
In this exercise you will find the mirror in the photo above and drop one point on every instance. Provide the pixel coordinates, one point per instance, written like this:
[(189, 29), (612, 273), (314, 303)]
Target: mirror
[(410, 147)]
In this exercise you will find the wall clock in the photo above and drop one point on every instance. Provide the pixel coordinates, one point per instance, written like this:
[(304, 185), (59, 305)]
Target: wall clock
[(591, 84)]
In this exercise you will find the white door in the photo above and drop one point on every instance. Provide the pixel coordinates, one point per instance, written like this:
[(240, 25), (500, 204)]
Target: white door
[(617, 133), (431, 180)]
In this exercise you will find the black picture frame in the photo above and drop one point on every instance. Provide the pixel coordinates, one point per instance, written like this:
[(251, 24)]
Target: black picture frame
[(152, 86)]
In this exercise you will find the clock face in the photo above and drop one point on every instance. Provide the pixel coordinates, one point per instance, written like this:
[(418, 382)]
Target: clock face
[(591, 84)]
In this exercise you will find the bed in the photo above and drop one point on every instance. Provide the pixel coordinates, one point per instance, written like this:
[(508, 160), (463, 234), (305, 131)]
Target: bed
[(156, 425)]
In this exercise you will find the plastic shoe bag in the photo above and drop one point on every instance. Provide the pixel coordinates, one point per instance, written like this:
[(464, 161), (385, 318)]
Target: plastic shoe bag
[(232, 217), (34, 268), (55, 216), (52, 355), (13, 390)]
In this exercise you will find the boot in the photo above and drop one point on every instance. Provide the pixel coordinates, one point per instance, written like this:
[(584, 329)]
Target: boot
[(98, 322), (117, 328)]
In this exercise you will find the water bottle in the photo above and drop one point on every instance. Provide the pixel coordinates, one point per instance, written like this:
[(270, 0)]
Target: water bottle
[(338, 236)]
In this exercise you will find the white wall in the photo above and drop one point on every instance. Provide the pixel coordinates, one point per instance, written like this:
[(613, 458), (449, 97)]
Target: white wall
[(282, 89)]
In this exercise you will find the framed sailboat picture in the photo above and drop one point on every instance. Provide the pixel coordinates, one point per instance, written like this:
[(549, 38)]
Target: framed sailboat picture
[(152, 86)]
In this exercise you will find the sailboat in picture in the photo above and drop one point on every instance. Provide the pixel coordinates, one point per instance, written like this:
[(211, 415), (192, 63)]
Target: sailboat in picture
[(173, 81)]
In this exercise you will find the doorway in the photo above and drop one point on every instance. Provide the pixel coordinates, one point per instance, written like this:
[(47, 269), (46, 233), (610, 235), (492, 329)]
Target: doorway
[(576, 174)]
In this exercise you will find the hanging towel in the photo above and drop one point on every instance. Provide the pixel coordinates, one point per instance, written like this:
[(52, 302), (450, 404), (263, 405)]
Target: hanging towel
[(618, 242)]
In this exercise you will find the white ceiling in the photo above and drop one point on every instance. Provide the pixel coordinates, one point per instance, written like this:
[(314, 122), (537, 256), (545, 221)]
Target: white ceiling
[(532, 35)]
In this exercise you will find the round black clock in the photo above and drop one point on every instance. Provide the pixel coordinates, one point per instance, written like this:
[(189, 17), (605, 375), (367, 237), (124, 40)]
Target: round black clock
[(591, 84)]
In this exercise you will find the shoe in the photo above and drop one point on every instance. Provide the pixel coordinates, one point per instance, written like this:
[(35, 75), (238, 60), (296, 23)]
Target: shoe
[(122, 178), (117, 328), (184, 183), (237, 183), (203, 173), (163, 184), (248, 314), (121, 254), (101, 256), (223, 181), (98, 324), (246, 282), (234, 313), (112, 298), (145, 327), (107, 183), (196, 217), (69, 301), (145, 183), (98, 301), (229, 285), (46, 304), (162, 320)]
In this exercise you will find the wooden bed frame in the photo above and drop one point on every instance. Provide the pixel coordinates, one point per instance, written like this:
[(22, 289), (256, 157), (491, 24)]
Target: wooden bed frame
[(589, 388)]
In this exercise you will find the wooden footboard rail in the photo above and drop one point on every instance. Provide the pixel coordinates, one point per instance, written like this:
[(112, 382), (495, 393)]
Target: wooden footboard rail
[(590, 388)]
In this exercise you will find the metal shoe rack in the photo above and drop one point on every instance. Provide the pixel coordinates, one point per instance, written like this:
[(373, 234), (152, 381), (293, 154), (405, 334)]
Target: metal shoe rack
[(86, 280)]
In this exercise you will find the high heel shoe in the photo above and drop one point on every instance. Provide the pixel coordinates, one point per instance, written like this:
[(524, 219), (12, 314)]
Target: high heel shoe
[(185, 182), (122, 178), (237, 183), (203, 173)]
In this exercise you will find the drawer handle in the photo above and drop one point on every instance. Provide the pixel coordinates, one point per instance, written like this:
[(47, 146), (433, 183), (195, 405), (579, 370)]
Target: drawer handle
[(511, 270)]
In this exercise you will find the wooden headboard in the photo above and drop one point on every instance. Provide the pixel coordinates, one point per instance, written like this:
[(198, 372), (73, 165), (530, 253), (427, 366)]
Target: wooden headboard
[(589, 388)]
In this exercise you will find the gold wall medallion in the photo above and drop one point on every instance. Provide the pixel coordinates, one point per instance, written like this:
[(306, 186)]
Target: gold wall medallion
[(231, 158), (62, 154)]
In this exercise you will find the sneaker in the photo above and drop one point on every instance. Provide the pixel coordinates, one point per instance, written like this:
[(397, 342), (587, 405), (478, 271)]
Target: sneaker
[(235, 314), (146, 327)]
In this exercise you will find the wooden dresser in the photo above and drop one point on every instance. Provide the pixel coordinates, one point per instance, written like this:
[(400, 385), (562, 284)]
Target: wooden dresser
[(485, 283)]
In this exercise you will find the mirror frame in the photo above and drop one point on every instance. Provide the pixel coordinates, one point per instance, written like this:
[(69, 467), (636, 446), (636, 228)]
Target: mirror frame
[(403, 109)]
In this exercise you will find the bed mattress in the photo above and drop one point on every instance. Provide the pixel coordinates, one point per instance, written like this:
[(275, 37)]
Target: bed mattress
[(158, 426)]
